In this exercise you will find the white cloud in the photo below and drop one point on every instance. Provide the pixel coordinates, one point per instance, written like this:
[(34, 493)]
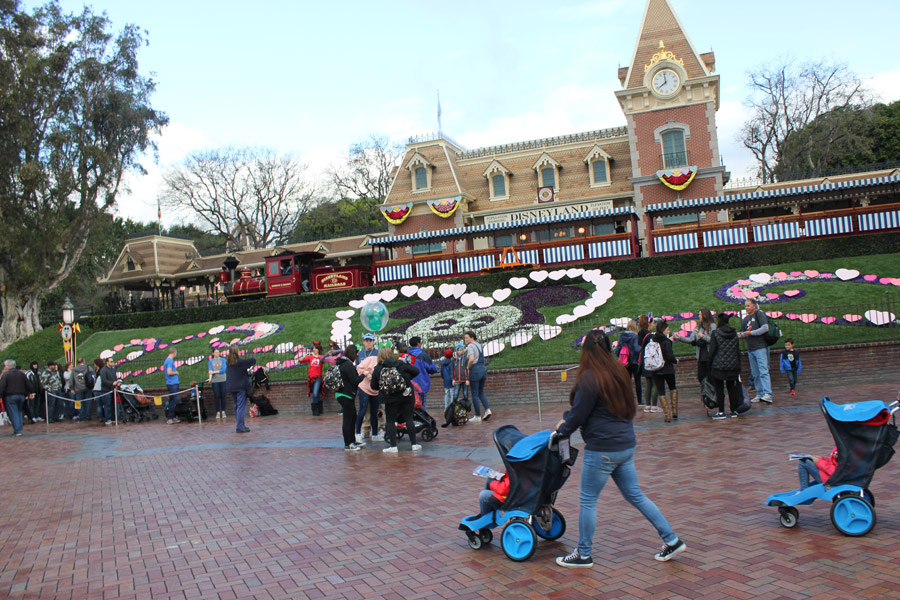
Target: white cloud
[(885, 85)]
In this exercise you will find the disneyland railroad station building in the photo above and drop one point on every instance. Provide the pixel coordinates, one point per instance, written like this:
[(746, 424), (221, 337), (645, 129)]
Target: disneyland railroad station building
[(655, 186)]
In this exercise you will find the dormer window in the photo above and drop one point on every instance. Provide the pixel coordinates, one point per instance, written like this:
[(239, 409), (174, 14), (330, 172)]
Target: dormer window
[(498, 180), (598, 161), (420, 169), (547, 171), (129, 265)]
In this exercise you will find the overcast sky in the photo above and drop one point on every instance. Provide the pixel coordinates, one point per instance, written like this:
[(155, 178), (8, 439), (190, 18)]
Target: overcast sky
[(311, 78)]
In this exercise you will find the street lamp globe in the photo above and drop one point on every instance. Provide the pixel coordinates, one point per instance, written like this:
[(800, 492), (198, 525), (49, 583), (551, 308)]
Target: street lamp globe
[(68, 312)]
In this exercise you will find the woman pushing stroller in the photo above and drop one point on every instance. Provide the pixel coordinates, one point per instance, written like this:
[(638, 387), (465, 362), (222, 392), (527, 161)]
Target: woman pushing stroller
[(603, 409)]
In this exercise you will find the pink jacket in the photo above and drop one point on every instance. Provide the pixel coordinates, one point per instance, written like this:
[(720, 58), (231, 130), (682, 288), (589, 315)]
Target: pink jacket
[(367, 364)]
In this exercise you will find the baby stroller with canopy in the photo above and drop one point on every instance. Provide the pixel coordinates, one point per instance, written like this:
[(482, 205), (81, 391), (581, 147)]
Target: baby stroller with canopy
[(864, 433), (137, 406), (537, 466)]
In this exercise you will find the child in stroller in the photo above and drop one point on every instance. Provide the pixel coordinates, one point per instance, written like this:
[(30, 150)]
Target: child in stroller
[(137, 406), (864, 437), (537, 466)]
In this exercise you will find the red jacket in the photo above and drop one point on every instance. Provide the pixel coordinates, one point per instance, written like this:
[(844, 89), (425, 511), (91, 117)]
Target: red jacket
[(500, 488), (827, 465), (315, 364)]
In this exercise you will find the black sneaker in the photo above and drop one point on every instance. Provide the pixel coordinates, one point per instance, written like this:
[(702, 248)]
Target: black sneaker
[(718, 416), (734, 414), (669, 551), (575, 561)]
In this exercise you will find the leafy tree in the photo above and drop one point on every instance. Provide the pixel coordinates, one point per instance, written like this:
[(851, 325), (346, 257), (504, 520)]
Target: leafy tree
[(787, 97), (251, 197), (340, 218), (844, 137), (206, 242), (75, 115)]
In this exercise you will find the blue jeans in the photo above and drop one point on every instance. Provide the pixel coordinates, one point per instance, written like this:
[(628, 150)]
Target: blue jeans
[(101, 406), (596, 468), (87, 403), (484, 501), (807, 470), (13, 406), (759, 371), (218, 388), (317, 390), (792, 378), (477, 376), (461, 389), (240, 406), (172, 402), (370, 403), (448, 396)]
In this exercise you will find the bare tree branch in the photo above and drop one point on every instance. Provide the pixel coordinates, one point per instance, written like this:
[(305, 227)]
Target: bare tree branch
[(366, 172), (786, 97), (252, 197)]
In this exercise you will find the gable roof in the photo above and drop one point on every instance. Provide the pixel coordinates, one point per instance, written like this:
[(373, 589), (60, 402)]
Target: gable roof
[(661, 24)]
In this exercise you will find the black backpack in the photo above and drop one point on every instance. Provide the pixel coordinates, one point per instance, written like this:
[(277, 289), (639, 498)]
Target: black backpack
[(90, 379), (392, 382), (333, 380)]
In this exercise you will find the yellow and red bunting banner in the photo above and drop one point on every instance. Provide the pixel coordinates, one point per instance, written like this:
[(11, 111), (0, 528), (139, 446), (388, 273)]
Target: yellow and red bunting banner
[(396, 214), (678, 178), (446, 207)]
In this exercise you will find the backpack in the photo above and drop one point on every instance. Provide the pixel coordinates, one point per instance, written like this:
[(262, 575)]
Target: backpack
[(624, 354), (653, 357), (90, 378), (79, 378), (333, 380), (773, 334), (392, 382), (708, 394)]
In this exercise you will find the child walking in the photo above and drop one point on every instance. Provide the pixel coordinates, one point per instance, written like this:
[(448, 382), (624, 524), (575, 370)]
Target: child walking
[(460, 374), (790, 364), (447, 376)]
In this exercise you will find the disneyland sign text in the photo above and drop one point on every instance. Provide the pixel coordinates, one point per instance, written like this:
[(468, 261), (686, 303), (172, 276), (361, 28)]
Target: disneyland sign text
[(548, 213)]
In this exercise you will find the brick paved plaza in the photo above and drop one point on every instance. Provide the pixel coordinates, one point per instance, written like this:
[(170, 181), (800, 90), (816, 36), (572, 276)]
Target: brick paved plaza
[(188, 511)]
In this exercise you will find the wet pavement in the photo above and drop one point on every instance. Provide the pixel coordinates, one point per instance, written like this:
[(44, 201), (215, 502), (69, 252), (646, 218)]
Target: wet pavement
[(198, 511)]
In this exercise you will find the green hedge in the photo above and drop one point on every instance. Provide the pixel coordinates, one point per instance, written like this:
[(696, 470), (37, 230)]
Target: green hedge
[(770, 254)]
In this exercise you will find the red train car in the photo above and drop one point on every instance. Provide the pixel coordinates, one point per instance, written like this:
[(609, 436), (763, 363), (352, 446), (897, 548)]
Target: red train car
[(292, 273)]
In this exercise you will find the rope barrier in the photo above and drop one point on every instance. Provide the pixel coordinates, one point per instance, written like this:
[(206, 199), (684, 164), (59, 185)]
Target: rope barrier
[(157, 400)]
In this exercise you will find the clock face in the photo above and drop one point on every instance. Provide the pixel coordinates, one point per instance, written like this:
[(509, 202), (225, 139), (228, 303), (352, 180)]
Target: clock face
[(666, 82)]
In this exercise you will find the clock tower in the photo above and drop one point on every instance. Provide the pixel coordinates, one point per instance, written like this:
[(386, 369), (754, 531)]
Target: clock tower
[(670, 97)]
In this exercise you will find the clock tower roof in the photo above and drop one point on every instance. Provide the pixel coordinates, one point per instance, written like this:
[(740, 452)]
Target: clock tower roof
[(662, 27)]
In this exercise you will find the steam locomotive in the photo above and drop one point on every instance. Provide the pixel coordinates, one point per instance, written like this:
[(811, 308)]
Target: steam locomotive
[(290, 273)]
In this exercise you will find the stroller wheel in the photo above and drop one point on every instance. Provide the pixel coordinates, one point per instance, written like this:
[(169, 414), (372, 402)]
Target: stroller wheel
[(788, 516), (486, 536), (552, 528), (867, 493), (429, 434), (852, 515), (400, 433), (475, 541), (518, 540)]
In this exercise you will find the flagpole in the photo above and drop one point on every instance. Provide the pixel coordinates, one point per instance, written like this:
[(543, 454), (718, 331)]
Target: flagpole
[(439, 111), (159, 215)]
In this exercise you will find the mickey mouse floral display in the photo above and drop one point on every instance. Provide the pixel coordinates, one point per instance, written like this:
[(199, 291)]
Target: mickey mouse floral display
[(441, 319)]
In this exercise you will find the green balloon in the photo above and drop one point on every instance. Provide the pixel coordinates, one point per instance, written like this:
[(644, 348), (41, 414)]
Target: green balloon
[(374, 316)]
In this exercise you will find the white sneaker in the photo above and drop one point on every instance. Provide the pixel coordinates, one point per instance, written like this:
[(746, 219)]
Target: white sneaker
[(378, 437), (767, 399), (417, 447), (487, 415), (390, 450), (218, 415), (475, 419), (754, 399), (360, 440)]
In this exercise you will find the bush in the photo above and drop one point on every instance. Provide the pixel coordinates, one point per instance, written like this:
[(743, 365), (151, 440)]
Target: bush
[(770, 254), (43, 346)]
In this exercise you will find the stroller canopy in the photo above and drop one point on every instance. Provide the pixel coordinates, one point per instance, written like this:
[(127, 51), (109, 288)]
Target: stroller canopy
[(528, 446), (856, 412), (864, 437)]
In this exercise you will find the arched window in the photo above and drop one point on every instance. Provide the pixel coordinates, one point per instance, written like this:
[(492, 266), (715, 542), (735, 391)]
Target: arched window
[(674, 153)]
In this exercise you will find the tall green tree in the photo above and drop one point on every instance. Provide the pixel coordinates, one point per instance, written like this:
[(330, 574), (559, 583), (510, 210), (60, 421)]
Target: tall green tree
[(75, 116)]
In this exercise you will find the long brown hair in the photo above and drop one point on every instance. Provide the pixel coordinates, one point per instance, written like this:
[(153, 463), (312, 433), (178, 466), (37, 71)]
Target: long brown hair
[(599, 371)]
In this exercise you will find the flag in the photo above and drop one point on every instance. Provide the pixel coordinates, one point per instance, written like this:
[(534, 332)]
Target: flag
[(159, 209)]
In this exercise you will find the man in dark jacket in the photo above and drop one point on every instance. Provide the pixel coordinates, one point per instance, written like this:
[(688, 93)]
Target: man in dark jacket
[(36, 402), (109, 381), (725, 357), (14, 388), (346, 396), (396, 404)]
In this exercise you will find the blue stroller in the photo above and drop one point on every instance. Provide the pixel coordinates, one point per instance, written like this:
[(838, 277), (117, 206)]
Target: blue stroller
[(864, 435), (537, 466)]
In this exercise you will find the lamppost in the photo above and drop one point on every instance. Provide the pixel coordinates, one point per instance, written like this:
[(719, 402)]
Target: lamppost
[(69, 330)]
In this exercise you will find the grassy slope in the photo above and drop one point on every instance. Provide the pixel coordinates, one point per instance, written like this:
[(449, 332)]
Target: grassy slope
[(662, 295)]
